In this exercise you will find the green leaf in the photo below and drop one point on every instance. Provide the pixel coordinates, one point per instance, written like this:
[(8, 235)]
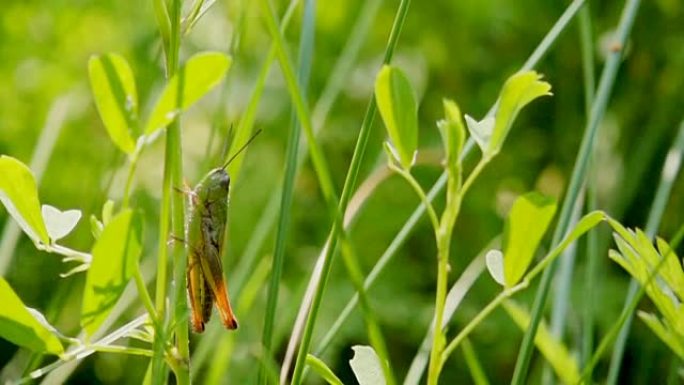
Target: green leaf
[(20, 327), (673, 340), (113, 86), (453, 136), (553, 350), (398, 109), (366, 366), (323, 370), (59, 223), (525, 226), (19, 194), (200, 74), (518, 91), (672, 271), (115, 256)]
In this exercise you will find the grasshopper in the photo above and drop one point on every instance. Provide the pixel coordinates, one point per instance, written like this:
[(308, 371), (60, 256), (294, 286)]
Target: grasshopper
[(205, 232)]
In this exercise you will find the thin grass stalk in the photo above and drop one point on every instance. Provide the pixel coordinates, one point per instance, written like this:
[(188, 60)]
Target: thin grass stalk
[(375, 336), (350, 182), (586, 39), (561, 300), (563, 286), (305, 58), (474, 365), (668, 176), (578, 176)]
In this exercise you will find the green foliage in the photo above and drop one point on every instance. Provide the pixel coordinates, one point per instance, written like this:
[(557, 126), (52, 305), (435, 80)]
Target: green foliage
[(323, 370), (19, 195), (46, 46), (398, 109), (200, 75), (115, 257), (518, 91), (526, 224), (20, 326), (641, 259), (116, 98), (562, 362)]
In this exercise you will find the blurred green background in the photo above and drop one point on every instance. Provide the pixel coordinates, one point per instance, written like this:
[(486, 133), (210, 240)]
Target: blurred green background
[(463, 50)]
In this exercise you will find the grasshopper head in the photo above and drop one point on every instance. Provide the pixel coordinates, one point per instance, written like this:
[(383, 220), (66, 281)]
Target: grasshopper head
[(218, 183)]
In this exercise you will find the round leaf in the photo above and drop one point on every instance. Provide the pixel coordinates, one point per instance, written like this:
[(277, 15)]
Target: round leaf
[(527, 222), (200, 74), (113, 86)]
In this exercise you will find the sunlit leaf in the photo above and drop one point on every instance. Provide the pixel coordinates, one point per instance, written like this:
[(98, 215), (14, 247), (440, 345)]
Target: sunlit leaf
[(200, 74), (115, 256), (19, 194), (366, 366), (673, 340), (518, 91), (672, 271), (525, 226), (554, 351), (59, 223), (322, 369), (19, 326), (398, 109), (113, 87)]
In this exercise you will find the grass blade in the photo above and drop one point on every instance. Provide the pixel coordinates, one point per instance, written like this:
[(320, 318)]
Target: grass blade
[(578, 176)]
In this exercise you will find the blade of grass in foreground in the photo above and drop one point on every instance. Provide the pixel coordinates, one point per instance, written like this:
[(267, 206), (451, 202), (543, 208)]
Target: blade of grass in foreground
[(349, 185), (578, 176), (305, 58)]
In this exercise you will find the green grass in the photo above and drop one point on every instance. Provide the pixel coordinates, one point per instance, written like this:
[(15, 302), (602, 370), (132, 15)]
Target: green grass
[(93, 253)]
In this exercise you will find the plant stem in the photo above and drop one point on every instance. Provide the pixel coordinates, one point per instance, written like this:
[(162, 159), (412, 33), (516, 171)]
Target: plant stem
[(455, 194), (144, 294), (421, 194), (293, 141), (129, 178), (122, 350), (479, 318), (173, 210)]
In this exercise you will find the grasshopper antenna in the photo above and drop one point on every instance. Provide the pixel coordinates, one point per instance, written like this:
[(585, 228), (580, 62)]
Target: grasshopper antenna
[(241, 149)]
